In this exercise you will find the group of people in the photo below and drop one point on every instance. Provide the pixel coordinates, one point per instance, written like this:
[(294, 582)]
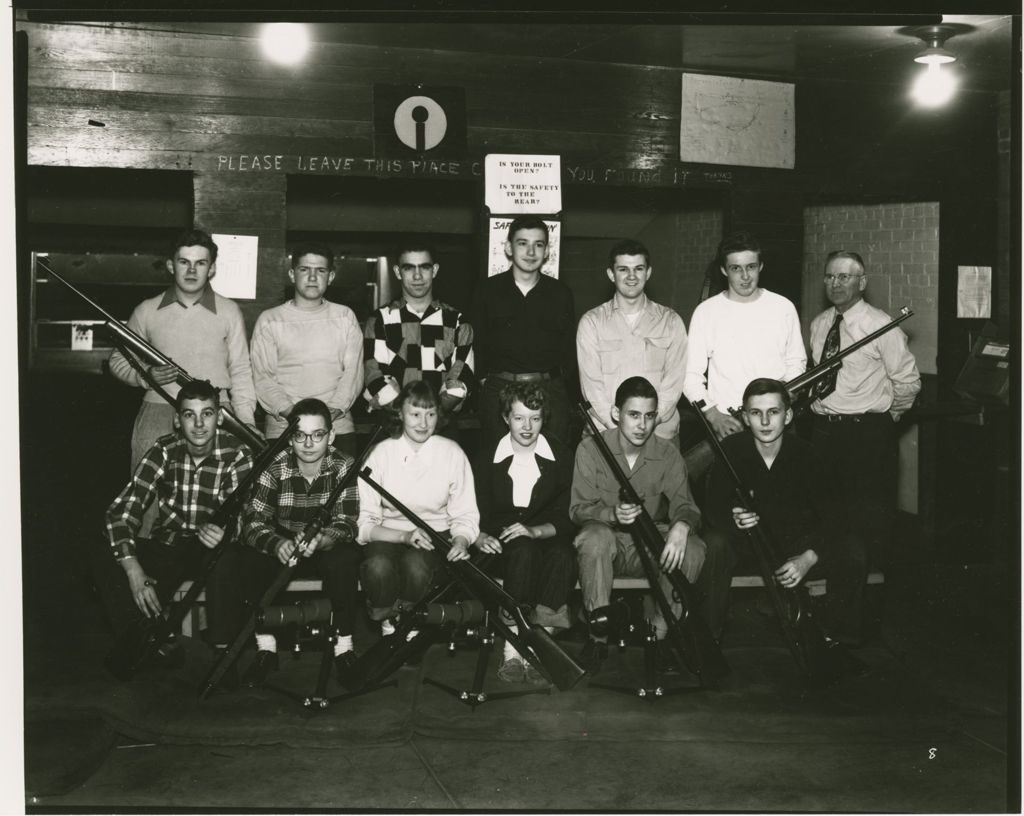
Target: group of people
[(547, 515)]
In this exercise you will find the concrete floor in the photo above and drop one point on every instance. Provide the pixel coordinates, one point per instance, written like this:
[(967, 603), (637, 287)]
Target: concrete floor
[(949, 625)]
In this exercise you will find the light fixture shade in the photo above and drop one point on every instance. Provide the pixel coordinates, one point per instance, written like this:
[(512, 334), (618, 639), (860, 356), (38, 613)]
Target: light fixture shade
[(935, 55)]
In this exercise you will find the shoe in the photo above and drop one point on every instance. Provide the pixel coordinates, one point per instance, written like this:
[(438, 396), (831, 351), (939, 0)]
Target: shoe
[(170, 656), (343, 664), (665, 658), (593, 655), (512, 670), (262, 665), (532, 675)]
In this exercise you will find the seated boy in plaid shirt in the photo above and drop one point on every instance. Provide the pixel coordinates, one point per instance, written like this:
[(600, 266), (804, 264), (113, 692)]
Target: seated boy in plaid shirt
[(287, 496), (187, 474)]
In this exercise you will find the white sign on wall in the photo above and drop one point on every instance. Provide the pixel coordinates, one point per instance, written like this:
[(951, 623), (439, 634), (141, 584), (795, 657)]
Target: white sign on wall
[(516, 183), (747, 122), (237, 257), (498, 261)]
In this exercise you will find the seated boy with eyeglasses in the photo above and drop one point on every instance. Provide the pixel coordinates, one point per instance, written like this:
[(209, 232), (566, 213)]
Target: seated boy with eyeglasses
[(287, 496)]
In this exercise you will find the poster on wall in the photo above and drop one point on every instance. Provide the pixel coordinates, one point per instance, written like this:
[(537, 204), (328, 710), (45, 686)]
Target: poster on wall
[(974, 291), (237, 257), (516, 183), (497, 260), (746, 122)]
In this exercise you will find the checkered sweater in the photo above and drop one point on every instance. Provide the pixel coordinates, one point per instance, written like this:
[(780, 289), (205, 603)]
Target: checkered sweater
[(437, 348)]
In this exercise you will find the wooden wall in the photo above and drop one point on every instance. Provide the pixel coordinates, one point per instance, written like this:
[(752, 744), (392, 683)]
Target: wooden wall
[(118, 96)]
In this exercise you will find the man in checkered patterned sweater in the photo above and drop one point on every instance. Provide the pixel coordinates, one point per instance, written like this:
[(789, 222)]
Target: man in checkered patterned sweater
[(417, 338)]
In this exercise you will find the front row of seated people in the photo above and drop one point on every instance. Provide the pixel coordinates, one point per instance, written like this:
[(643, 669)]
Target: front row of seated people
[(544, 520)]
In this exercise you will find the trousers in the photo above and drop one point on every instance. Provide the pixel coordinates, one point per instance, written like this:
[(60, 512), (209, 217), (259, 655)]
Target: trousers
[(604, 553), (395, 575), (168, 567)]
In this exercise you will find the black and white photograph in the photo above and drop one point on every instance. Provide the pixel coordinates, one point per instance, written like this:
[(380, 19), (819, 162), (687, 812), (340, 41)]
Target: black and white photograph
[(538, 409)]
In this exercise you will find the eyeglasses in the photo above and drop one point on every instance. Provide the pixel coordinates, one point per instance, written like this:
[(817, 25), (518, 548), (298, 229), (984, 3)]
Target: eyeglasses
[(735, 269), (301, 438), (842, 278)]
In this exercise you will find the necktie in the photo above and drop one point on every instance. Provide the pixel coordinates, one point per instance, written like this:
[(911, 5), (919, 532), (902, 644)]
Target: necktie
[(827, 384)]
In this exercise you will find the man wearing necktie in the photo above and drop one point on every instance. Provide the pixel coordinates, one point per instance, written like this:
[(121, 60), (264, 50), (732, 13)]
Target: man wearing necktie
[(856, 407)]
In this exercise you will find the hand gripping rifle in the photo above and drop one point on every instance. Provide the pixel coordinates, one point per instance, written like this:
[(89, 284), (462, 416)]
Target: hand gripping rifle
[(125, 339), (140, 641), (389, 653), (821, 661), (699, 457), (532, 642), (284, 575), (689, 636), (815, 373)]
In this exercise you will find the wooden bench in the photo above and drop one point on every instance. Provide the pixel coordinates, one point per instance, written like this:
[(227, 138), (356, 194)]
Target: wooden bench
[(196, 619)]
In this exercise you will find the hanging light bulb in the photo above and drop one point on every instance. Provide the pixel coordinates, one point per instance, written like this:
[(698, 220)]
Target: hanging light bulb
[(934, 87), (286, 43)]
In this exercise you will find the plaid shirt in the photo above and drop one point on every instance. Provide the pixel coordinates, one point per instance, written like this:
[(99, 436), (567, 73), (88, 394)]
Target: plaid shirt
[(283, 502), (186, 493), (437, 348)]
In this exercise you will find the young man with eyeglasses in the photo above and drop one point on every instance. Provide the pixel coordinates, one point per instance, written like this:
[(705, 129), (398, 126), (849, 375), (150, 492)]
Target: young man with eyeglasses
[(418, 337), (201, 331), (287, 496), (738, 335), (856, 410), (309, 347), (185, 475)]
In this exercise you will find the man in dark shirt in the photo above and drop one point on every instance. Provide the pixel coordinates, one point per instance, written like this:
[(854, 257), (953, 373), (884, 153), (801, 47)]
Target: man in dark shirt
[(798, 508), (525, 326)]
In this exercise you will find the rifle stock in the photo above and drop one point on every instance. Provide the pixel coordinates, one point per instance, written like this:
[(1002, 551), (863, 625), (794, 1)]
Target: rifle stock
[(126, 339), (533, 642), (690, 637), (820, 661), (284, 575), (141, 640)]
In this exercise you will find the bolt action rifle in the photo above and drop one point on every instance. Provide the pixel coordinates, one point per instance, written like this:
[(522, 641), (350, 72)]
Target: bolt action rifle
[(821, 661), (531, 641), (390, 653), (140, 641), (699, 457), (284, 575), (690, 639), (125, 337)]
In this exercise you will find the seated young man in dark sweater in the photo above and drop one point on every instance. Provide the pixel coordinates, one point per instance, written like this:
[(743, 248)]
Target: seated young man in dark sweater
[(798, 508)]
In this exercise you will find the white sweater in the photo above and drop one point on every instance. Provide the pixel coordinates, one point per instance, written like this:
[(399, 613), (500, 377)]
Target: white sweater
[(738, 341)]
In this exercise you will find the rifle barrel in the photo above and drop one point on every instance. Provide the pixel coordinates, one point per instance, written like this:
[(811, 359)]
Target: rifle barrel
[(825, 366)]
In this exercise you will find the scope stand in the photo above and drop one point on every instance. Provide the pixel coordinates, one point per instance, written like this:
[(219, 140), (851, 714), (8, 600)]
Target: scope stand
[(653, 686), (319, 699), (476, 695)]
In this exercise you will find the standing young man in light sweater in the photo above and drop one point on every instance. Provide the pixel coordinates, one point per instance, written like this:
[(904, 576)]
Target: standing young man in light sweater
[(309, 347), (628, 335), (739, 335), (201, 331)]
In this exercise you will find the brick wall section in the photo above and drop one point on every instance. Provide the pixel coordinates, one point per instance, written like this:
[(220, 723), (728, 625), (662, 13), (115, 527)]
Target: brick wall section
[(698, 234), (900, 246)]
